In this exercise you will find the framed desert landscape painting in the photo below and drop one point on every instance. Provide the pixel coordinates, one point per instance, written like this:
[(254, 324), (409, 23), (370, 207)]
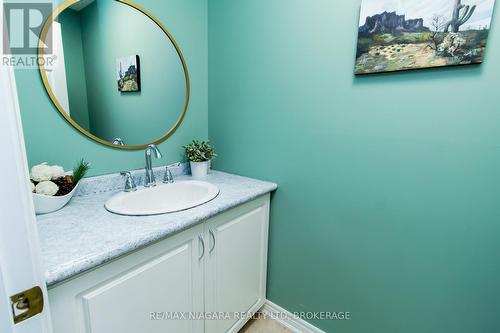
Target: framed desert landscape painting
[(396, 35), (128, 74)]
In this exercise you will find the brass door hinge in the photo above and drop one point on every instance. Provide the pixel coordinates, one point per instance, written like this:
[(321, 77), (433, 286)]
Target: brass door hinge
[(27, 304)]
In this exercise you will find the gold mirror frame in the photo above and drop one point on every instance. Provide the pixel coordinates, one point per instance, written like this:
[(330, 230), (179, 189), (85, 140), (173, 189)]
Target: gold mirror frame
[(48, 88)]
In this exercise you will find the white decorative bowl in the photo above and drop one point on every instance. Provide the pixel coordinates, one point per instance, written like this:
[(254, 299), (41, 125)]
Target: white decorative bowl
[(45, 204)]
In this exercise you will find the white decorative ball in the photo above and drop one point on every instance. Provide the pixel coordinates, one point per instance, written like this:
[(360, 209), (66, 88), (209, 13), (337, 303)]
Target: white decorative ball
[(47, 188), (41, 172), (57, 172)]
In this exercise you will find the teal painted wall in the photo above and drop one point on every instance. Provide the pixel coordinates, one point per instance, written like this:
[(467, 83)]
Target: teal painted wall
[(75, 67), (389, 198), (49, 138)]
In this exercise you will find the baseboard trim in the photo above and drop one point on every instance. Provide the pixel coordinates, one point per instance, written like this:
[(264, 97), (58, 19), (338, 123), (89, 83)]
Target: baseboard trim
[(287, 319)]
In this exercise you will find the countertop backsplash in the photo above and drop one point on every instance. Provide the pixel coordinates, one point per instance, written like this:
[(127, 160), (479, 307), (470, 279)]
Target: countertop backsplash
[(114, 182)]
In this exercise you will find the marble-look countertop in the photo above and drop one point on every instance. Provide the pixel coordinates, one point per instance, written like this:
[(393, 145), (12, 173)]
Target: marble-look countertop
[(84, 235)]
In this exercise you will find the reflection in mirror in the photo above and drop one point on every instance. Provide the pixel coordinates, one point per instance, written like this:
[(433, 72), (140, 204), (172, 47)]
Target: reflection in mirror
[(119, 77)]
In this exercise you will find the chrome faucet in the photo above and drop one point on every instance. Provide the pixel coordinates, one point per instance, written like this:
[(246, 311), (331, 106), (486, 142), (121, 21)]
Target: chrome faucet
[(149, 180), (118, 142)]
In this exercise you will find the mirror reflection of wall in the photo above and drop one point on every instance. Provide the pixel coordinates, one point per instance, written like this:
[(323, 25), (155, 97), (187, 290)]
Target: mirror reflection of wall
[(124, 77)]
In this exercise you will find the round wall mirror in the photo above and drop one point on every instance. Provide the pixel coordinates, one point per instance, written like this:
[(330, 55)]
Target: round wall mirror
[(117, 74)]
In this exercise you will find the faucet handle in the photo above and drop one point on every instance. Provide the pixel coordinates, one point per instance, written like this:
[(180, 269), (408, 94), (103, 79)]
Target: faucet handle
[(129, 182), (168, 178), (118, 142)]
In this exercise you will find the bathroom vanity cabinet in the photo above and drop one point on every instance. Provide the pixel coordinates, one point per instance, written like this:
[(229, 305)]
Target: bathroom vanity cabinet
[(207, 278)]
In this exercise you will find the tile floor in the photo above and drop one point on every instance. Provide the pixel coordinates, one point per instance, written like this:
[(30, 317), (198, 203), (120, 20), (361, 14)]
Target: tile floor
[(263, 325)]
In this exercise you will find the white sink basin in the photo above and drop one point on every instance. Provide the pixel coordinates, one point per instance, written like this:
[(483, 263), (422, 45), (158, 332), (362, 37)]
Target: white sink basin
[(162, 199)]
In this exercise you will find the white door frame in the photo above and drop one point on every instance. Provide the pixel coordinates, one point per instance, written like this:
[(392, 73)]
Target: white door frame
[(5, 324), (20, 258)]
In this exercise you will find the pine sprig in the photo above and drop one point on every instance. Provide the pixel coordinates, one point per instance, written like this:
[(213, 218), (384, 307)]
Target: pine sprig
[(80, 170)]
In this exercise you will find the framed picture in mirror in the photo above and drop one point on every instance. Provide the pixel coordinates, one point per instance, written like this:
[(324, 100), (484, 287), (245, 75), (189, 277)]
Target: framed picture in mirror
[(128, 74)]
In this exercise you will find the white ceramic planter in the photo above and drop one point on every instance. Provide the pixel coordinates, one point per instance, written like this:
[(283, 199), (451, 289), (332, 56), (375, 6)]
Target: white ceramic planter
[(45, 204), (199, 169)]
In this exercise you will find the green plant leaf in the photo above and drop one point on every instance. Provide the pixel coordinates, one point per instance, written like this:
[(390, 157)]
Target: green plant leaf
[(198, 151)]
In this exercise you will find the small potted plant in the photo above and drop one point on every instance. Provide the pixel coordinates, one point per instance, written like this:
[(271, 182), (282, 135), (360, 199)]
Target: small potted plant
[(199, 155), (52, 187)]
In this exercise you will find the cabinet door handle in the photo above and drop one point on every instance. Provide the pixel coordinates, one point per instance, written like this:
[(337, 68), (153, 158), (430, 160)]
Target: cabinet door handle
[(213, 238), (202, 247)]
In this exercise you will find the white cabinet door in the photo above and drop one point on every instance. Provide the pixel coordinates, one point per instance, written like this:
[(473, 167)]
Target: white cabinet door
[(150, 296), (235, 268), (175, 278)]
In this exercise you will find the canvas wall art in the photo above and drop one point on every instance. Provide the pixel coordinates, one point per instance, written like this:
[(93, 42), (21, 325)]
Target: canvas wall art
[(128, 74), (397, 35)]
